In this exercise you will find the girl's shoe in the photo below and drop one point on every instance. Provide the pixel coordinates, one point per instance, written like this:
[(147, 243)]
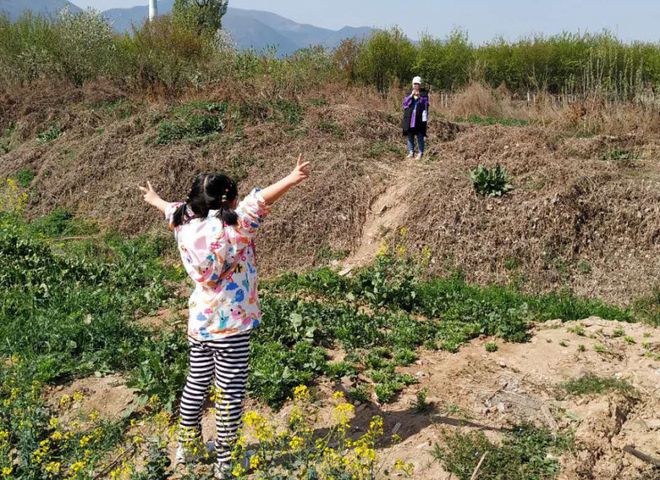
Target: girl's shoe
[(184, 456), (410, 155), (418, 157), (224, 473)]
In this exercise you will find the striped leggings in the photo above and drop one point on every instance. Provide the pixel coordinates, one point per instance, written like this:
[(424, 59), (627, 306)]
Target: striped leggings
[(226, 360)]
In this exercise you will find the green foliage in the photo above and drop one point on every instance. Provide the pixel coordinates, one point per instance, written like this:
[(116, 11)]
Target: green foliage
[(203, 17), (594, 385), (24, 177), (523, 455), (647, 308), (51, 133), (491, 347), (445, 64), (332, 128), (193, 121), (387, 56), (506, 122), (277, 370), (491, 182), (421, 404)]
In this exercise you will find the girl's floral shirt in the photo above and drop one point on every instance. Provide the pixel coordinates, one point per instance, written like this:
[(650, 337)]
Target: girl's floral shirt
[(221, 260)]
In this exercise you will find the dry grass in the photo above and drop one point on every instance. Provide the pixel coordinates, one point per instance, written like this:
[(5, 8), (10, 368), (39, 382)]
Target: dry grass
[(574, 209)]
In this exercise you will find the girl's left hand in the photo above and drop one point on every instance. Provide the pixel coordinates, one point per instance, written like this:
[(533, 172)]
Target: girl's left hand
[(150, 196)]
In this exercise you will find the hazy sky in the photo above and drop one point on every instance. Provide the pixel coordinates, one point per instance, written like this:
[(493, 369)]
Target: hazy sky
[(483, 19)]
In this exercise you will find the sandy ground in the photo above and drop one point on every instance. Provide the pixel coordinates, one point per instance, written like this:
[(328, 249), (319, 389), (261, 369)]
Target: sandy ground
[(477, 390)]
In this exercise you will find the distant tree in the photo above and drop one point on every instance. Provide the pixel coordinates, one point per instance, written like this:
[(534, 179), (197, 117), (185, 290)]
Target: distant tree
[(203, 17)]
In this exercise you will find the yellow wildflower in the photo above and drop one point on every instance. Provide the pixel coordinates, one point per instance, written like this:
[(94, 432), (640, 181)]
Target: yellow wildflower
[(338, 395), (401, 250), (53, 467), (342, 413), (255, 462), (76, 467), (94, 415), (301, 393), (296, 442), (382, 250), (403, 467), (53, 422), (56, 436), (78, 396), (84, 441), (238, 471), (6, 471), (65, 400)]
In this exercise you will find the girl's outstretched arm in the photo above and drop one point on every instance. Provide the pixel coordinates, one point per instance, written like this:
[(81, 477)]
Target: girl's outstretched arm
[(299, 174), (152, 198)]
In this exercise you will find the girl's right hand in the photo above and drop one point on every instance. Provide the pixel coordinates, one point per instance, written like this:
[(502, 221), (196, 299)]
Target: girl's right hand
[(301, 172)]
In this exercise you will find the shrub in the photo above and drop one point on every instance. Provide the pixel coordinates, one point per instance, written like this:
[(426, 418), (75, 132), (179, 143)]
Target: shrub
[(491, 182), (192, 121)]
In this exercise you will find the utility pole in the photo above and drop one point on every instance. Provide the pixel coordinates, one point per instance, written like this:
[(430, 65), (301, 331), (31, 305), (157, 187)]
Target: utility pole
[(153, 9)]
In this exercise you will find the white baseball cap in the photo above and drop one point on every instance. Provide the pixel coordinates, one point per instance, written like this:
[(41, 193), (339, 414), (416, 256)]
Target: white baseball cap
[(417, 80)]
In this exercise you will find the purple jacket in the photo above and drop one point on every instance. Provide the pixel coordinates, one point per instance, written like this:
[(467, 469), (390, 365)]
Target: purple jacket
[(414, 120)]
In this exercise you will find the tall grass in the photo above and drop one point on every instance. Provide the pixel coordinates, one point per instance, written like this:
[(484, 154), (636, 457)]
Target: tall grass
[(164, 56)]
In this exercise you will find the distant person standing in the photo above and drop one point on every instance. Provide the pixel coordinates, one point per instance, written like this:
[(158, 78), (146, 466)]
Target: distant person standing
[(415, 117)]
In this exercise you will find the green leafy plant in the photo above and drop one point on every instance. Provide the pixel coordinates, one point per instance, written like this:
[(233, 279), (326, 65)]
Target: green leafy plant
[(490, 182), (491, 347)]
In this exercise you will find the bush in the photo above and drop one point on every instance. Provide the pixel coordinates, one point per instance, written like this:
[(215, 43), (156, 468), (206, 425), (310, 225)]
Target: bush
[(491, 182), (165, 57), (192, 121)]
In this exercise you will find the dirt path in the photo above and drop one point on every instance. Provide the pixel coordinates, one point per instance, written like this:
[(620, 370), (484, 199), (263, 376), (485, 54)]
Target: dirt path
[(386, 213)]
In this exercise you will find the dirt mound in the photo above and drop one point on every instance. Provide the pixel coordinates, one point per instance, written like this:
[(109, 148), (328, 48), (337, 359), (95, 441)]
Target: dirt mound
[(576, 218)]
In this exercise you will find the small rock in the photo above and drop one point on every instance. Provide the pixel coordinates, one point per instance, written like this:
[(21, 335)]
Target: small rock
[(501, 407), (420, 374), (501, 364)]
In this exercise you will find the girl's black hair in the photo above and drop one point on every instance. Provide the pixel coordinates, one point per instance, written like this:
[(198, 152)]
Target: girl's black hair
[(210, 191)]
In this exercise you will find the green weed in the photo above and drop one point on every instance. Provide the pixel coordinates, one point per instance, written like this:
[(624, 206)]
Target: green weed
[(490, 182), (523, 455), (594, 385)]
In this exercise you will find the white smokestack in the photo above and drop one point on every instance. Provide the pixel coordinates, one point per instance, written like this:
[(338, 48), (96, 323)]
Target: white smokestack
[(153, 9)]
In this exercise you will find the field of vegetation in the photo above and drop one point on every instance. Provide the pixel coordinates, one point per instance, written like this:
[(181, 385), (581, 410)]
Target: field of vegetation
[(483, 312)]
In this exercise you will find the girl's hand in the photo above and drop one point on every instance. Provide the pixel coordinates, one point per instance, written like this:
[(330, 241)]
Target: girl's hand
[(150, 196), (301, 172)]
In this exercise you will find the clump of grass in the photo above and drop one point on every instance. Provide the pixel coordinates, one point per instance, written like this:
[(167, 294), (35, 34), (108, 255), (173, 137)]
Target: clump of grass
[(331, 127), (486, 120), (50, 134), (25, 176), (491, 347), (524, 454), (618, 332), (594, 385), (192, 121), (600, 348), (578, 330)]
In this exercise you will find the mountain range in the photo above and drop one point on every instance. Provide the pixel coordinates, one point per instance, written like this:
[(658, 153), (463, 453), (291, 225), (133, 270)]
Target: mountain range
[(248, 28)]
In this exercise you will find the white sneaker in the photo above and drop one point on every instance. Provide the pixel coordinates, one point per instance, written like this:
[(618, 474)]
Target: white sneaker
[(225, 472), (418, 157), (410, 155), (184, 456)]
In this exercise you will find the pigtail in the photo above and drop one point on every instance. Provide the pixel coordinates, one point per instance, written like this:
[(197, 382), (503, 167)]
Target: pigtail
[(228, 216), (179, 214)]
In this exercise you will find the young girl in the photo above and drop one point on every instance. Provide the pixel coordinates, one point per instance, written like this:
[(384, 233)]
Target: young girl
[(215, 239), (415, 117)]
